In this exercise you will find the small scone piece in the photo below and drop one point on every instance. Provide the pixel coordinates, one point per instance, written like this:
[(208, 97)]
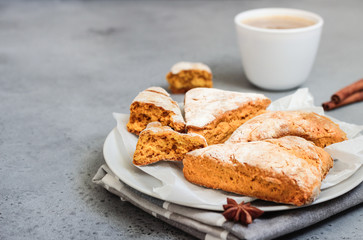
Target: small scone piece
[(216, 114), (275, 124), (159, 142), (266, 170), (154, 104), (184, 76)]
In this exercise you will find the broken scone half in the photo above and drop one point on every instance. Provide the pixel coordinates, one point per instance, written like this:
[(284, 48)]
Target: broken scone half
[(154, 104), (216, 114), (159, 142)]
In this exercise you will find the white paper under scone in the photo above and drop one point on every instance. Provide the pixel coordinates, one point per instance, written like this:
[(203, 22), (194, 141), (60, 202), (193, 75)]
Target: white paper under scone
[(348, 156)]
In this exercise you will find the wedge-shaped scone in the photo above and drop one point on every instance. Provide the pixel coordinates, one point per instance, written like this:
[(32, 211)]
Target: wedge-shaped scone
[(309, 125), (216, 114), (159, 142), (184, 76), (154, 104), (268, 170)]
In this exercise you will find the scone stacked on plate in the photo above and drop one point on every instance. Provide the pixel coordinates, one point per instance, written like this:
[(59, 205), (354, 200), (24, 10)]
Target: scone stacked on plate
[(286, 170), (309, 125), (275, 156)]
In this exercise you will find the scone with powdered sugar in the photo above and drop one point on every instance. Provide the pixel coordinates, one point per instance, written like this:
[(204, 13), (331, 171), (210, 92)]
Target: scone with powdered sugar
[(309, 125), (216, 114), (154, 104), (271, 170)]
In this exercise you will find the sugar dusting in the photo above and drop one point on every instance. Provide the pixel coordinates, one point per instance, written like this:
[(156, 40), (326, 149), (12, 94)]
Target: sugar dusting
[(266, 156), (280, 123), (203, 105)]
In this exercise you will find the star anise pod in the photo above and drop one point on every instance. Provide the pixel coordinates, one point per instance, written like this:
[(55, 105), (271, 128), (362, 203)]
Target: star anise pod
[(244, 213)]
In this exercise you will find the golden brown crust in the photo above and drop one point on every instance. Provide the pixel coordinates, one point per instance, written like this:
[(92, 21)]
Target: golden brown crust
[(309, 125), (158, 143), (245, 180), (185, 80), (268, 170)]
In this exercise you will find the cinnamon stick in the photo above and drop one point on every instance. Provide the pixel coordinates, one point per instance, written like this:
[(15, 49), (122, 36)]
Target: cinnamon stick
[(355, 97), (347, 91)]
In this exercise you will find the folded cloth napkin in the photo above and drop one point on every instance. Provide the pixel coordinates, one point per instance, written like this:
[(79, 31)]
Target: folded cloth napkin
[(206, 224)]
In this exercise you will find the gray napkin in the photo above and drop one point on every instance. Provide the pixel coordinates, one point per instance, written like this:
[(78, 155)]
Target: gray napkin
[(205, 224)]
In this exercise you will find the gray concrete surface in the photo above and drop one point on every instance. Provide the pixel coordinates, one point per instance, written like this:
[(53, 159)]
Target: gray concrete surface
[(65, 66)]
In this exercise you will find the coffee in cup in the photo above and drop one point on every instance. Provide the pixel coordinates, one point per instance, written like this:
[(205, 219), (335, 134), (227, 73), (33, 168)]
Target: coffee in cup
[(279, 22), (278, 46)]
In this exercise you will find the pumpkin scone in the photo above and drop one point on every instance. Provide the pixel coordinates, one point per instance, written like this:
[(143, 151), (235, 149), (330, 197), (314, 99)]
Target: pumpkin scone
[(275, 124), (267, 170), (154, 104), (216, 114), (159, 142), (184, 76)]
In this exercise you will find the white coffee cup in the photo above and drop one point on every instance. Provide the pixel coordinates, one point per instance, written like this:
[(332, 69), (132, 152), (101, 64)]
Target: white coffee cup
[(278, 59)]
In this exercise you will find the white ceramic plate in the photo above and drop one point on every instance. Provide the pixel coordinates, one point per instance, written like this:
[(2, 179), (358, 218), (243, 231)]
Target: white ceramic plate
[(121, 164)]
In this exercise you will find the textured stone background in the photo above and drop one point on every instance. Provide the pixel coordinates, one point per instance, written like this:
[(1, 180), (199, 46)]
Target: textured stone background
[(65, 66)]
